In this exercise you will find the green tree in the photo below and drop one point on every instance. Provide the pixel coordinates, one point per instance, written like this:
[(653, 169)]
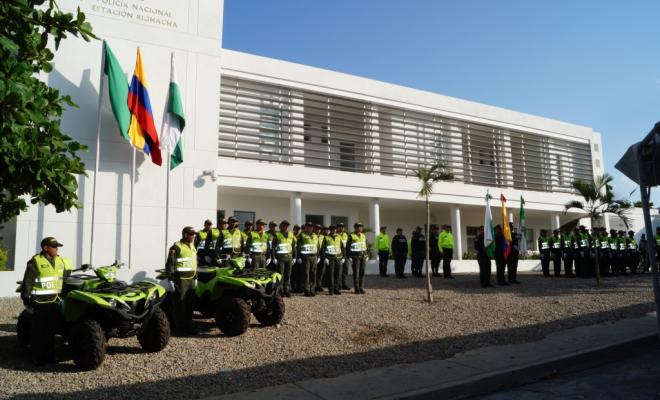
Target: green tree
[(598, 201), (427, 177), (37, 160)]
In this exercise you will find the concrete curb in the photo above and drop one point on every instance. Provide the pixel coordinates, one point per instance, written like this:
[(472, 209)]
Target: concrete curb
[(479, 371)]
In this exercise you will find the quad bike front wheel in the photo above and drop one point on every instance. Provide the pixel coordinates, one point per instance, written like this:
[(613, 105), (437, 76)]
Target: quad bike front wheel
[(87, 343), (233, 316), (24, 329), (273, 313), (156, 334)]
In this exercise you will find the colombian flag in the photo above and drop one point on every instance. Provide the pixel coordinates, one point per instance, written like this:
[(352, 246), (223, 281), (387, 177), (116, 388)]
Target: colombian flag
[(142, 131), (506, 229)]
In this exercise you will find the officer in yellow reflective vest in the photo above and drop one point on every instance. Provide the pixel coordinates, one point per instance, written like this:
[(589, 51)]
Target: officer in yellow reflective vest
[(284, 251), (205, 242), (308, 250), (383, 247), (343, 235), (332, 250), (323, 262), (257, 245), (247, 229), (181, 268), (41, 288), (446, 244), (357, 250), (272, 228), (230, 242)]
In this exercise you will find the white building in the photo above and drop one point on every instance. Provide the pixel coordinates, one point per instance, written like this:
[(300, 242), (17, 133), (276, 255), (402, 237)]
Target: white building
[(275, 140)]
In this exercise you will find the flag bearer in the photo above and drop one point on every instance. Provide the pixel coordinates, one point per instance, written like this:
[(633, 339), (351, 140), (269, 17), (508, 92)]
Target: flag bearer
[(181, 268), (446, 243), (512, 260), (357, 250), (284, 251), (383, 247), (483, 259), (41, 288), (257, 245), (544, 251), (308, 244), (205, 242), (333, 252)]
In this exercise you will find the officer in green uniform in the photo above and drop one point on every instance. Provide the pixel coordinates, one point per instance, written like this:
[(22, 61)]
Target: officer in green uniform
[(594, 242), (223, 246), (332, 251), (446, 243), (284, 251), (308, 245), (605, 255), (577, 260), (544, 251), (257, 245), (555, 251), (614, 252), (383, 247), (633, 253), (205, 242), (41, 289), (357, 250), (296, 266), (585, 253), (567, 253), (341, 231), (320, 262), (245, 234), (272, 228), (623, 252), (181, 268), (236, 242)]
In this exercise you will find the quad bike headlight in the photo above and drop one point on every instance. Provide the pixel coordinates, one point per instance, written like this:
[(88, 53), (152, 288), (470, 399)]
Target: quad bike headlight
[(152, 297), (112, 302)]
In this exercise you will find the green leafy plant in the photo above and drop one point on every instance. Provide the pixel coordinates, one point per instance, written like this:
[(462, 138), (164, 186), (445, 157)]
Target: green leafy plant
[(4, 257), (37, 159), (468, 255), (427, 177)]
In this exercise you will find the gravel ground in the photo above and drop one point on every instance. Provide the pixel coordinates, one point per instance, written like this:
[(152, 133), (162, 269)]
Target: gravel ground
[(329, 335)]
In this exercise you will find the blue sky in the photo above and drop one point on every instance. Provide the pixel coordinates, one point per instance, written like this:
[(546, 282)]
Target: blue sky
[(593, 63)]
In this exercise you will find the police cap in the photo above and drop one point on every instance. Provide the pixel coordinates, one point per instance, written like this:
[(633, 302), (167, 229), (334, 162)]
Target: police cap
[(285, 223), (188, 230), (355, 225), (249, 223), (261, 222), (50, 242), (272, 224), (208, 222), (340, 224), (232, 219)]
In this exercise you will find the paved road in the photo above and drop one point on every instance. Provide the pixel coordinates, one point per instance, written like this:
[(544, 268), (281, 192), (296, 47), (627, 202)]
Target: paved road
[(632, 379)]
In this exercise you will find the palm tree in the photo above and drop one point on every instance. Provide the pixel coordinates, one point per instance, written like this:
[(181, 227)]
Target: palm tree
[(427, 177), (598, 202)]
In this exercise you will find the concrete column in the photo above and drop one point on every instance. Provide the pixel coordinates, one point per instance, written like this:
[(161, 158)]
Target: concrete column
[(554, 221), (296, 208), (374, 218), (606, 220), (457, 231)]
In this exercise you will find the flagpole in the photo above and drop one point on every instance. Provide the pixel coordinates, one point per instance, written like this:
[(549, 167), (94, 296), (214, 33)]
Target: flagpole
[(98, 150), (167, 202), (130, 215)]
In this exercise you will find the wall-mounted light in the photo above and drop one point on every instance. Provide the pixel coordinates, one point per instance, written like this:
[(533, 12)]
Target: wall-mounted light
[(210, 173)]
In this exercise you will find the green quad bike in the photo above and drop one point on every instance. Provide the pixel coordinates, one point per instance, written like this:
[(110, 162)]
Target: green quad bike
[(229, 292), (98, 307)]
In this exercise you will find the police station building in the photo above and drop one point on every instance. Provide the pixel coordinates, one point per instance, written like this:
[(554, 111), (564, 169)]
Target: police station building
[(276, 140)]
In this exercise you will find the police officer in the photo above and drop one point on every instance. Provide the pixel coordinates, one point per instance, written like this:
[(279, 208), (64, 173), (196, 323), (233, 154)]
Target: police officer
[(296, 266), (614, 251), (577, 260), (230, 242), (605, 255), (585, 252), (322, 262), (643, 253), (247, 229), (272, 228), (400, 253), (284, 251), (41, 289), (483, 259), (308, 244), (383, 246), (623, 252), (205, 242), (257, 245), (594, 242), (556, 251), (446, 243), (333, 251), (341, 231), (417, 248), (544, 251), (568, 249), (357, 249), (500, 259), (181, 268), (435, 254), (633, 253)]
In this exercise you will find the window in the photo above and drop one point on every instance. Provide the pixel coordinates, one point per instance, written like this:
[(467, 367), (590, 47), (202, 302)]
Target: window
[(314, 219), (347, 156), (243, 216), (595, 146), (220, 214), (597, 162), (335, 220)]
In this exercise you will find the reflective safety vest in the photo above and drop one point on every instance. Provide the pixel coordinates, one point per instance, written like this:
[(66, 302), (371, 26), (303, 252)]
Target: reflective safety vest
[(657, 240), (446, 240), (613, 244), (556, 243), (332, 246), (604, 243), (584, 240), (567, 241), (203, 235), (271, 236), (545, 244), (383, 242), (186, 261), (344, 238), (632, 244), (232, 240), (258, 242), (358, 243), (48, 284), (310, 244), (622, 244), (284, 244)]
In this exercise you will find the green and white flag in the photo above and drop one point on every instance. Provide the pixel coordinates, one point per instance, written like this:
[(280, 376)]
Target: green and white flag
[(489, 230), (521, 227), (171, 137)]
